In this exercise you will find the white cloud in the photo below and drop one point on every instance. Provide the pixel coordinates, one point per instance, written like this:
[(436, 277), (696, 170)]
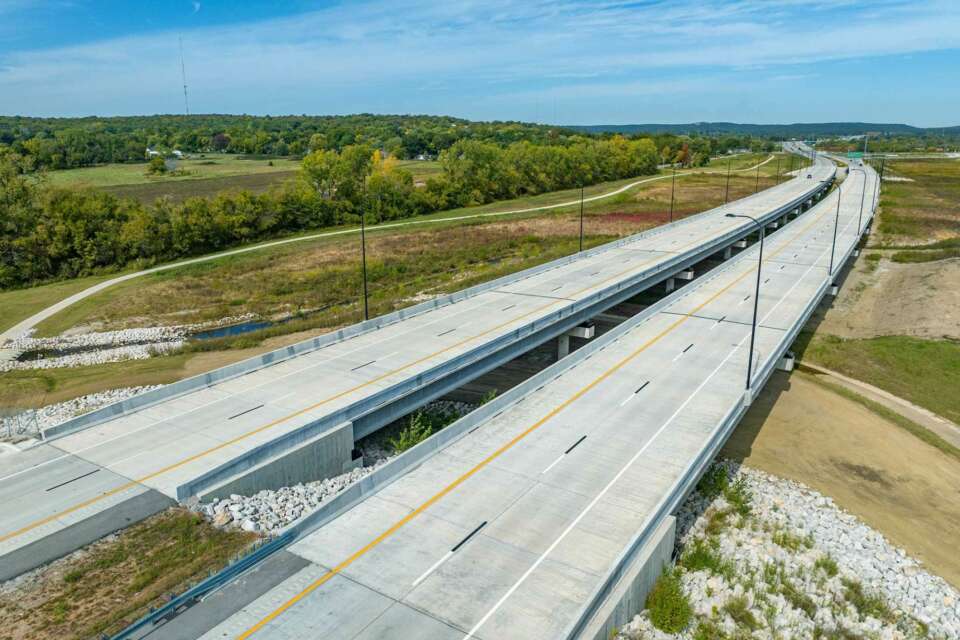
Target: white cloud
[(390, 52)]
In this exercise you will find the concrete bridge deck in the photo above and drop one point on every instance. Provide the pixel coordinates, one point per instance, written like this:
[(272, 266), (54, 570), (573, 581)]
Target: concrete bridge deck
[(95, 477), (516, 529)]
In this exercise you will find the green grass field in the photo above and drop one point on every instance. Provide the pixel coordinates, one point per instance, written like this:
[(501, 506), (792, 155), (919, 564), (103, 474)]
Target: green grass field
[(199, 167), (925, 372), (203, 176), (924, 210)]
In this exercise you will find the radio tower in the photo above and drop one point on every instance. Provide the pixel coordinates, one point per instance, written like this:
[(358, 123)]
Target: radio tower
[(183, 75)]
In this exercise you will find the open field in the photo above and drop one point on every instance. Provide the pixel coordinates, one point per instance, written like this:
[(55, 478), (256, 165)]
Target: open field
[(199, 167), (869, 465), (204, 176), (924, 210), (116, 580)]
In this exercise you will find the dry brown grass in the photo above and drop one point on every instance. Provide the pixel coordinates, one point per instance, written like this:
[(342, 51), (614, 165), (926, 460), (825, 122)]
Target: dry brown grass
[(116, 580)]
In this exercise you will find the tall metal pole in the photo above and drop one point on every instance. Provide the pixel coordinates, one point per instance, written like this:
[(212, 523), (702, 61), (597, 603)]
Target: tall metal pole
[(673, 186), (363, 253), (863, 192), (581, 218), (726, 191), (836, 223), (778, 169), (756, 297), (757, 186)]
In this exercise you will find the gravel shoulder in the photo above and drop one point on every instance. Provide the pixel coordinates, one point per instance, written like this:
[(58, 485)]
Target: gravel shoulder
[(897, 484)]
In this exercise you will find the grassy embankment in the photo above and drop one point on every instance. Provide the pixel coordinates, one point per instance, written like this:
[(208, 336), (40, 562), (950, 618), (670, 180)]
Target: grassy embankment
[(118, 579), (322, 277), (919, 221)]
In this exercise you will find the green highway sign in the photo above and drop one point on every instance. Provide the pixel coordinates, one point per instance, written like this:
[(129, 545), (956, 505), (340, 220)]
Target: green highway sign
[(855, 154)]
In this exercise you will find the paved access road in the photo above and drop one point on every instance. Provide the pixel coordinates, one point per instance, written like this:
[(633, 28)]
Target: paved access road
[(508, 530), (153, 451)]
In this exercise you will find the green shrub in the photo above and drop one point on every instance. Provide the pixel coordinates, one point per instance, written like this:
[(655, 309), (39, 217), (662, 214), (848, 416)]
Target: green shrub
[(827, 564), (713, 482), (739, 497), (866, 604), (670, 611), (705, 556), (413, 434), (738, 609)]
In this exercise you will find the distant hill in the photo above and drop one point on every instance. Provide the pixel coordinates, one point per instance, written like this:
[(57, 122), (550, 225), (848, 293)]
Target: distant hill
[(800, 129)]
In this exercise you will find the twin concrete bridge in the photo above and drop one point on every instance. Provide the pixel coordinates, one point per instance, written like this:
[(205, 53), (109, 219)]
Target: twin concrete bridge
[(543, 514)]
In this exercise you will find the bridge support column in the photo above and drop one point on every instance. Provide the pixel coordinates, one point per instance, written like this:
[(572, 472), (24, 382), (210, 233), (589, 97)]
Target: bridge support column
[(586, 331), (740, 244), (727, 253), (670, 284)]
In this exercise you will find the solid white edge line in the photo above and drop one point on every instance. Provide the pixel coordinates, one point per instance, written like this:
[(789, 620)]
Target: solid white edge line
[(623, 470)]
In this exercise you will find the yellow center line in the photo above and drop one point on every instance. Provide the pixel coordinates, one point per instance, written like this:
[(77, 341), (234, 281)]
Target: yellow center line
[(503, 449), (132, 483)]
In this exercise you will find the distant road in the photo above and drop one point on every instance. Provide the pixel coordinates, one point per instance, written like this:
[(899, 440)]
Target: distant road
[(25, 326)]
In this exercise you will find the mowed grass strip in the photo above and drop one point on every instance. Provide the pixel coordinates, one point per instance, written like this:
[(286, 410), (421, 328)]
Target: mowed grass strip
[(925, 372), (119, 578)]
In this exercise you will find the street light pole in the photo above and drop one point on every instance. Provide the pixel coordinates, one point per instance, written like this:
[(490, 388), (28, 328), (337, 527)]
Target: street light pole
[(673, 186), (726, 191), (756, 297), (863, 192), (363, 254), (836, 224), (581, 218)]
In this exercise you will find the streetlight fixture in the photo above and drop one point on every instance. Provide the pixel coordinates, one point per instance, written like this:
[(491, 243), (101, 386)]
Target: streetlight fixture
[(756, 296)]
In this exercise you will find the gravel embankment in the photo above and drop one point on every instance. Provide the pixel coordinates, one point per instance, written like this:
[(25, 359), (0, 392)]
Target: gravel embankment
[(795, 566), (271, 510), (84, 348), (29, 423)]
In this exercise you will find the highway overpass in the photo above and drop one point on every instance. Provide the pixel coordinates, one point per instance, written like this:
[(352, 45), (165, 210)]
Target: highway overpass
[(294, 414), (539, 514)]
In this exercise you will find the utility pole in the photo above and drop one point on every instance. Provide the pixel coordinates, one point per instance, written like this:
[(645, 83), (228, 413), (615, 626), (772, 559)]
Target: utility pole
[(673, 186)]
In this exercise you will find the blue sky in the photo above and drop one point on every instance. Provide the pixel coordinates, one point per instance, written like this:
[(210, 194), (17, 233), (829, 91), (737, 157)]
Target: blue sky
[(558, 61)]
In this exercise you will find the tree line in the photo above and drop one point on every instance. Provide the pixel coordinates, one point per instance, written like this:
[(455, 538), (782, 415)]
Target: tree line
[(63, 143), (49, 232)]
